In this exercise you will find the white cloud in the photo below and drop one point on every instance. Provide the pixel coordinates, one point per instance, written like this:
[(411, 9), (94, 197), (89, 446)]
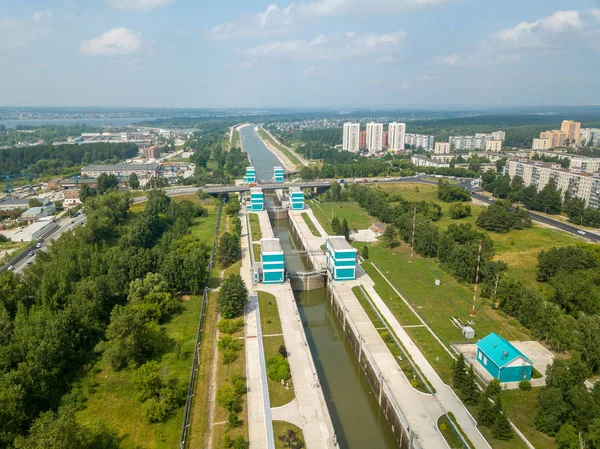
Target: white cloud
[(116, 41), (274, 20), (40, 16), (143, 5), (551, 33), (365, 7), (338, 46)]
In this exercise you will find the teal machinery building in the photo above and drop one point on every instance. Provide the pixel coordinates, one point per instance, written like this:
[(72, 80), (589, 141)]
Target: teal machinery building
[(273, 262), (340, 259), (250, 175), (296, 198), (277, 174), (502, 360), (257, 199)]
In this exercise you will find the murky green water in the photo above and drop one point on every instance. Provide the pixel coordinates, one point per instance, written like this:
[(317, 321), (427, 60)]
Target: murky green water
[(357, 418)]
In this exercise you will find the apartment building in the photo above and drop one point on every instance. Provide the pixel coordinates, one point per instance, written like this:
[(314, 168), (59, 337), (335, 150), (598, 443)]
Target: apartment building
[(362, 140), (538, 174), (351, 138), (384, 139), (540, 144), (476, 142), (499, 135), (588, 135), (141, 170), (419, 141), (556, 138), (397, 136), (494, 146), (374, 137), (442, 148), (572, 130), (443, 157), (421, 161)]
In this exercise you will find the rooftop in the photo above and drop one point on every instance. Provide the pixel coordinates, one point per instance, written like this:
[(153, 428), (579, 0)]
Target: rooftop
[(34, 211), (339, 243), (295, 189), (270, 246), (255, 190), (499, 350), (121, 167)]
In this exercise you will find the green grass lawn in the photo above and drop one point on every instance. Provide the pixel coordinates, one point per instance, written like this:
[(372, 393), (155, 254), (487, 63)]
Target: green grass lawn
[(522, 407), (113, 400), (357, 217), (256, 252), (235, 139), (311, 225), (255, 228), (278, 394), (281, 428), (269, 314)]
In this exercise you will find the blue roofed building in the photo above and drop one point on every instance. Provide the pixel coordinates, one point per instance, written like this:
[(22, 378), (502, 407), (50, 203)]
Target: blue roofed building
[(277, 174), (502, 360), (273, 261), (250, 175), (340, 258), (257, 199)]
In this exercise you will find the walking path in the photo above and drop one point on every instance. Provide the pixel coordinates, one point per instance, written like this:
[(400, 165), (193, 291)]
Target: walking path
[(260, 426), (421, 410)]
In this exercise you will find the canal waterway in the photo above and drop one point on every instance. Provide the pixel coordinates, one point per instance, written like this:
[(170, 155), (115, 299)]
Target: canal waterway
[(357, 418)]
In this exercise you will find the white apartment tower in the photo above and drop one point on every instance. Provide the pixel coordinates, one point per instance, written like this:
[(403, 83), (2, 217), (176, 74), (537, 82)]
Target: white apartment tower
[(396, 136), (351, 137), (374, 137)]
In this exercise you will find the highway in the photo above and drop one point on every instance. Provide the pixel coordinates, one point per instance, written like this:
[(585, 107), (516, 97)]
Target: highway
[(65, 225)]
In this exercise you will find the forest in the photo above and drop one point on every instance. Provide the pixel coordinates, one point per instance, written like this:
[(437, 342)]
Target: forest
[(47, 133), (50, 160), (100, 291)]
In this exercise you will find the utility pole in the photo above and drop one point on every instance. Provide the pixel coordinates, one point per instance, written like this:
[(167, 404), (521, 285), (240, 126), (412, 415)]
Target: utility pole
[(476, 278), (412, 245)]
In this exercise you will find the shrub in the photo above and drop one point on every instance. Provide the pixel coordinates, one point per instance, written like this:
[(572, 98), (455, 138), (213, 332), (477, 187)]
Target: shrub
[(227, 441), (228, 342), (240, 443), (387, 337), (154, 410), (233, 421), (524, 385), (283, 351), (278, 368), (238, 382), (230, 326), (228, 398), (147, 381)]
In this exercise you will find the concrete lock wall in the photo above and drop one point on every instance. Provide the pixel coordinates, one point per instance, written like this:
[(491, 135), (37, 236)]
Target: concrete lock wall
[(392, 417), (312, 282)]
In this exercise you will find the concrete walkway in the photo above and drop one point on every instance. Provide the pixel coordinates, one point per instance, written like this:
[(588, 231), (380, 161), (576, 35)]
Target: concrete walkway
[(260, 426), (307, 238)]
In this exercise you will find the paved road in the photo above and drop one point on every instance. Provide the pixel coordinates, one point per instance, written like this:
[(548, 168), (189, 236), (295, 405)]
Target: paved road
[(65, 225)]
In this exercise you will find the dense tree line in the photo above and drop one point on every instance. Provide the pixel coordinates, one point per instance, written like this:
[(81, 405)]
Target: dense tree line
[(47, 133), (499, 217), (52, 160), (92, 292), (449, 193)]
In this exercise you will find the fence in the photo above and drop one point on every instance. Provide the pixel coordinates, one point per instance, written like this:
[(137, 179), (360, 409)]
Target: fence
[(190, 392)]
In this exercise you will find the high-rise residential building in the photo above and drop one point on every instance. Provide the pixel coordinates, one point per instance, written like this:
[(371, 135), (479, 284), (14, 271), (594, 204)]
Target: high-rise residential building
[(555, 138), (351, 137), (442, 148), (363, 139), (493, 145), (374, 137), (499, 135), (540, 144), (384, 139), (590, 136), (572, 130), (419, 141), (397, 136)]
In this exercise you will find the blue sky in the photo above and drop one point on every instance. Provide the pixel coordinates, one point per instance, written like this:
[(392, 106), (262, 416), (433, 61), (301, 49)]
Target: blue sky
[(307, 53)]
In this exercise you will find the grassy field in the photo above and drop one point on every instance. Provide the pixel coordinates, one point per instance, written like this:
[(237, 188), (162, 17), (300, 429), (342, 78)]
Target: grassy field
[(357, 217), (255, 227), (199, 411), (293, 159), (311, 225), (113, 400), (522, 407), (271, 325), (235, 139), (281, 428)]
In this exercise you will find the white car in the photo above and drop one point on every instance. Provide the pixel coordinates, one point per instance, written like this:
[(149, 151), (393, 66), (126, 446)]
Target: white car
[(11, 268), (581, 232)]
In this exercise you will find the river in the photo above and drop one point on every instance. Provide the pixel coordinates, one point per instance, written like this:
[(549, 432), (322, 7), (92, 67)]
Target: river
[(357, 418)]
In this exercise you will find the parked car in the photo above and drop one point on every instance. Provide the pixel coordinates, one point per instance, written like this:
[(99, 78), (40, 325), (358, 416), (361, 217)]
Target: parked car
[(38, 245), (29, 262), (11, 268), (31, 253), (581, 232)]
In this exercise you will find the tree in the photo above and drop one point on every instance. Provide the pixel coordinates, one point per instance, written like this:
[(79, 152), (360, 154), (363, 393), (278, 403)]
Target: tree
[(86, 192), (459, 210), (336, 226), (233, 206), (134, 182), (229, 249), (594, 434), (501, 429), (459, 373), (365, 252), (389, 236), (549, 199), (345, 229), (232, 296), (34, 202), (567, 437), (106, 182), (470, 393), (291, 440)]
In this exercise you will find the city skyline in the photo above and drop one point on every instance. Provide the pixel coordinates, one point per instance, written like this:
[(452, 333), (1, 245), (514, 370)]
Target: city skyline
[(177, 53)]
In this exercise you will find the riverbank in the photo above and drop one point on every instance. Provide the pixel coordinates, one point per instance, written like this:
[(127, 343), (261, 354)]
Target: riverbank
[(291, 161)]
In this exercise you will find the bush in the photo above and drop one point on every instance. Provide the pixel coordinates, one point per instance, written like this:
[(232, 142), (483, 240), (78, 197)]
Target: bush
[(229, 348), (387, 337), (233, 421), (147, 381), (459, 210), (230, 326), (278, 368), (228, 398), (524, 385), (283, 351), (154, 410), (238, 382), (229, 356), (232, 296)]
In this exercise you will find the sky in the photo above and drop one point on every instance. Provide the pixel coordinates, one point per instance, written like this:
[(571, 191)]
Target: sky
[(305, 53)]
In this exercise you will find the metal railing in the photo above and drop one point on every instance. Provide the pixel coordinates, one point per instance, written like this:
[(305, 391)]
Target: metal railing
[(196, 362)]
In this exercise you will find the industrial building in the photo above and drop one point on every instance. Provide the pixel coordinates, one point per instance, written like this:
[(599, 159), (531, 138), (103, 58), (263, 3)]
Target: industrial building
[(141, 170), (250, 175), (35, 213), (340, 258), (296, 198), (257, 199), (278, 174), (33, 232), (502, 360), (273, 262)]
